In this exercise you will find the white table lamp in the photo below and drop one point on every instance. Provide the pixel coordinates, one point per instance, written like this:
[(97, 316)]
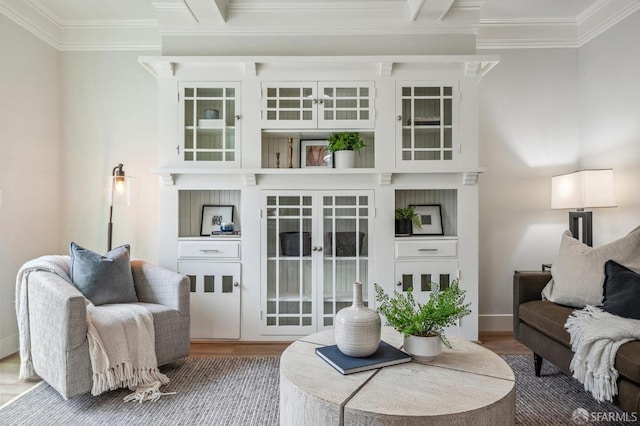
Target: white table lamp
[(580, 190)]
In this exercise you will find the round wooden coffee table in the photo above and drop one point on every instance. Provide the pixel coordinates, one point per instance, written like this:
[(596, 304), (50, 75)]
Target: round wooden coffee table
[(466, 385)]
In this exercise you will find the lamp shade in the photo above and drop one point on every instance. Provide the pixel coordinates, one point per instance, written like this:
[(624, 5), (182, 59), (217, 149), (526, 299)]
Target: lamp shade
[(583, 189), (119, 187)]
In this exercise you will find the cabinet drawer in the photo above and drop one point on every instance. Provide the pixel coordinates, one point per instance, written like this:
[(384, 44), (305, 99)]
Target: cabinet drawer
[(437, 248), (209, 249)]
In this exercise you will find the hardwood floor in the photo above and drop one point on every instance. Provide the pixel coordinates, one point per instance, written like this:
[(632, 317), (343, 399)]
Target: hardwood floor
[(501, 343)]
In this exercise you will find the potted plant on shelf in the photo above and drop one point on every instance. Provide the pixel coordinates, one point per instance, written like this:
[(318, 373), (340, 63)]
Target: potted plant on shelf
[(405, 218), (344, 145), (423, 325)]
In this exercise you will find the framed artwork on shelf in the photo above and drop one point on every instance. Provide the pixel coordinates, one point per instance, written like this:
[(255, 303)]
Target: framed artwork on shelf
[(213, 217), (430, 216), (314, 153)]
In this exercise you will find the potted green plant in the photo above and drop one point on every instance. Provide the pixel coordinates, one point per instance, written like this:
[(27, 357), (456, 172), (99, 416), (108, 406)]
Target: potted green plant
[(423, 325), (405, 218), (344, 145)]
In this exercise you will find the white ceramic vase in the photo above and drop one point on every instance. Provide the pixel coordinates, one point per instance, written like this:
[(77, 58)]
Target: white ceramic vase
[(357, 327), (423, 348), (344, 159)]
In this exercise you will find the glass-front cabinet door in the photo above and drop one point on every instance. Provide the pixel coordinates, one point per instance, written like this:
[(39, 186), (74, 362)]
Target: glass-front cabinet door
[(316, 245), (210, 132), (427, 120), (289, 105), (348, 105)]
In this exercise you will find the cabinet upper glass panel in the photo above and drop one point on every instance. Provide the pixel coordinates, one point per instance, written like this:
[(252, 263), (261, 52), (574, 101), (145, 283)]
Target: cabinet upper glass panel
[(209, 123), (426, 123), (309, 105)]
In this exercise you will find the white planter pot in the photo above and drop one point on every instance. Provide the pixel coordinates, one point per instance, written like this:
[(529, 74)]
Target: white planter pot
[(344, 159), (423, 348), (357, 328)]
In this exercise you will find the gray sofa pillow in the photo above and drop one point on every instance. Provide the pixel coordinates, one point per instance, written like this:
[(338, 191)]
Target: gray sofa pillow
[(103, 279), (578, 272)]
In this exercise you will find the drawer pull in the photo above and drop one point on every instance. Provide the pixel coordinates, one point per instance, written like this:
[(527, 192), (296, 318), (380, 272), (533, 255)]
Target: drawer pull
[(210, 250), (428, 249)]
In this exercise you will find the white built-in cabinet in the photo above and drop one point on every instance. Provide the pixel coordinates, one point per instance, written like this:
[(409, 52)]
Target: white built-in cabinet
[(315, 245), (232, 131), (209, 115), (321, 105)]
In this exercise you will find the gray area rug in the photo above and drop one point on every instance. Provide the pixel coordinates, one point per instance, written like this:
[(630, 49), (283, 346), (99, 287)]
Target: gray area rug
[(209, 391), (557, 399), (244, 391)]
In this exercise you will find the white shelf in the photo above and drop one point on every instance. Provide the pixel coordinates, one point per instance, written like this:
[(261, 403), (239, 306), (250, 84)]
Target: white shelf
[(250, 175)]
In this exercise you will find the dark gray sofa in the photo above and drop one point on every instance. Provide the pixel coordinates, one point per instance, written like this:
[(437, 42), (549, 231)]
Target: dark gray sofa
[(539, 325)]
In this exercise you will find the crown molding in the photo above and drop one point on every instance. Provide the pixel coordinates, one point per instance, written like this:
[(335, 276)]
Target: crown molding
[(545, 33), (595, 21), (212, 17), (32, 19)]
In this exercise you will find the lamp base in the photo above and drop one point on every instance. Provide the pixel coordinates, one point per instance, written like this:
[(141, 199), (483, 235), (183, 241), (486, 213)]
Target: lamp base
[(587, 230)]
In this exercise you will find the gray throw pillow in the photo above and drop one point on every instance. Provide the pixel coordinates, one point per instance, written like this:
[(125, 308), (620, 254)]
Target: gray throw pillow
[(578, 272), (103, 279)]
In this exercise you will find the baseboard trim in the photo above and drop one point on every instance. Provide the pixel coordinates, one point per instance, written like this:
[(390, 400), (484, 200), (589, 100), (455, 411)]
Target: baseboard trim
[(9, 345), (495, 322)]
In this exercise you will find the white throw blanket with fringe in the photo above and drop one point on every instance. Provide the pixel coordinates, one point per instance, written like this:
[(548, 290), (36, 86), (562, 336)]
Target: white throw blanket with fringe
[(121, 338), (596, 336), (122, 348)]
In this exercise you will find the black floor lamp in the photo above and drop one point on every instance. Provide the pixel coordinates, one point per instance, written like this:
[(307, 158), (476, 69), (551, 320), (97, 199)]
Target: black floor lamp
[(580, 190), (119, 192)]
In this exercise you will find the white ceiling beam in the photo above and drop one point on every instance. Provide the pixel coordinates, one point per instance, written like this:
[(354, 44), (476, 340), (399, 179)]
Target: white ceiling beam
[(430, 10), (415, 6), (208, 11)]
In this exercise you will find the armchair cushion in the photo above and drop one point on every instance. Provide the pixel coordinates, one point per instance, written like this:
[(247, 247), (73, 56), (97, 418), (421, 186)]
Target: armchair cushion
[(621, 291), (103, 279)]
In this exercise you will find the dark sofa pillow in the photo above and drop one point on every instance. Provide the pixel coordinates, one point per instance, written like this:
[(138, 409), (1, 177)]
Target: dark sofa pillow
[(621, 291), (103, 279)]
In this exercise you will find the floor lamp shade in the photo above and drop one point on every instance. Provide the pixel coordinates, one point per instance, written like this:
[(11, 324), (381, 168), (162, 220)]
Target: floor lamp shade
[(580, 190), (120, 188)]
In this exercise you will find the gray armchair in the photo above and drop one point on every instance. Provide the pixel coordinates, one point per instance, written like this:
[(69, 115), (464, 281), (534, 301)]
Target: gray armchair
[(58, 324)]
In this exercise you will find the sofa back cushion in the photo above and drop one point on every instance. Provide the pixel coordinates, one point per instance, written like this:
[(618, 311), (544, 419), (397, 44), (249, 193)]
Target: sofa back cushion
[(578, 272), (103, 279)]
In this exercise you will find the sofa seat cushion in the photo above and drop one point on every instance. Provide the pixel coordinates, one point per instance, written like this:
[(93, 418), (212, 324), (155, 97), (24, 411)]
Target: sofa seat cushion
[(548, 318), (170, 327), (628, 361)]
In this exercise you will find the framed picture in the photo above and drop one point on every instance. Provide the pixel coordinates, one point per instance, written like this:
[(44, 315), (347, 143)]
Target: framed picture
[(430, 218), (213, 217), (313, 153)]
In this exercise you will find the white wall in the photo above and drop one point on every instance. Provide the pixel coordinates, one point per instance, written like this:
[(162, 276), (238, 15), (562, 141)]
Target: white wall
[(529, 131), (29, 162), (609, 76), (545, 112), (110, 116)]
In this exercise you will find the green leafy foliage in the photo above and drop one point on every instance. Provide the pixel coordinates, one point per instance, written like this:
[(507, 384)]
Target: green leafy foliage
[(411, 318), (345, 141), (408, 213)]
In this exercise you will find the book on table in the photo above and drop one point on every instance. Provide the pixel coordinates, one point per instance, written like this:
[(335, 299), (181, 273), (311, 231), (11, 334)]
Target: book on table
[(385, 356)]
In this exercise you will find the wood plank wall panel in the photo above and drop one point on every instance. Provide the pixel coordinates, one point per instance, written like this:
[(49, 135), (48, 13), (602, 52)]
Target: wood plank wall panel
[(447, 198), (278, 142), (190, 208)]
